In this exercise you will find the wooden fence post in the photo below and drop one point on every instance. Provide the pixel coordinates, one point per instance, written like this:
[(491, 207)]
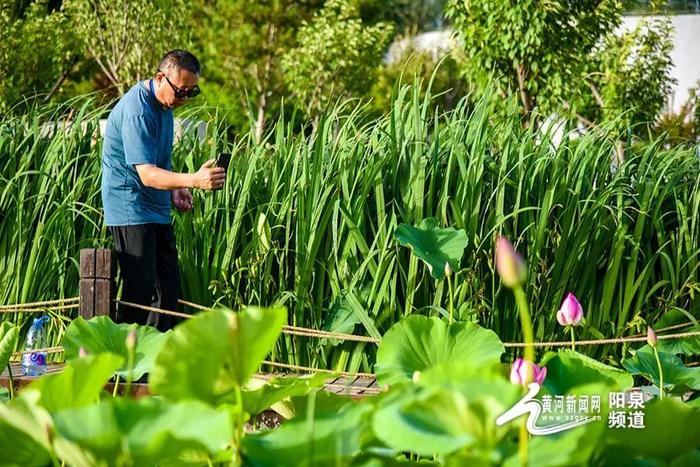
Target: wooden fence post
[(98, 268)]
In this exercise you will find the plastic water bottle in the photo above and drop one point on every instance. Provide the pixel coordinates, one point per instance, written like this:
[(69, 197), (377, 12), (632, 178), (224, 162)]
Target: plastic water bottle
[(34, 364)]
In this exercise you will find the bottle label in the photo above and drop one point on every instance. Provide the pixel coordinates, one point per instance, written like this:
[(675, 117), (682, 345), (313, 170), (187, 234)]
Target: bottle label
[(38, 358)]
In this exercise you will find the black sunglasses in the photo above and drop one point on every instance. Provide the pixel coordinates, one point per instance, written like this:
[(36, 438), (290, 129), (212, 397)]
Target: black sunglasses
[(182, 93)]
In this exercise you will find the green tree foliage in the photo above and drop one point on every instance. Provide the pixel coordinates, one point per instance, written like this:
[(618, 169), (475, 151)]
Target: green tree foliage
[(127, 39), (533, 48), (407, 16), (442, 70), (635, 74), (337, 57), (35, 51), (242, 43)]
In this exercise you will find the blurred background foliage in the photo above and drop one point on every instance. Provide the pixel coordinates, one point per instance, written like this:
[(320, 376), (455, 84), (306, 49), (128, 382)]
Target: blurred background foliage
[(269, 58)]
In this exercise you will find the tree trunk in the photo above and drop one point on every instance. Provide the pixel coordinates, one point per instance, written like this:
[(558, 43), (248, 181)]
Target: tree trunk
[(263, 84), (525, 97)]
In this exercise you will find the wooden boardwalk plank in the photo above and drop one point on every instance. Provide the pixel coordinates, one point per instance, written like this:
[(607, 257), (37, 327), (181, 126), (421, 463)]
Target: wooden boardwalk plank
[(344, 385)]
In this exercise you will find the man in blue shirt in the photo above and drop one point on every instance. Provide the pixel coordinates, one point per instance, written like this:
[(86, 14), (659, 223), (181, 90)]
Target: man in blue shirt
[(138, 186)]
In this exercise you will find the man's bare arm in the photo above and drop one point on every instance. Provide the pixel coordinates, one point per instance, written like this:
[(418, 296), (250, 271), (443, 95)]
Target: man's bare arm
[(206, 178)]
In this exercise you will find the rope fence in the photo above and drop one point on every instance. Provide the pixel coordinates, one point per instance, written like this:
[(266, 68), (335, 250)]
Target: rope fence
[(37, 307), (70, 303), (308, 332)]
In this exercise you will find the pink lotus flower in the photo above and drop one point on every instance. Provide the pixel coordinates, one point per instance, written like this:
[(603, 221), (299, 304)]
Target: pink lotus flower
[(509, 263), (524, 372), (571, 312)]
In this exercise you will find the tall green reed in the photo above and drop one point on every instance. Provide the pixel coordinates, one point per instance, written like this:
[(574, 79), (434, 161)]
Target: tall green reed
[(306, 218)]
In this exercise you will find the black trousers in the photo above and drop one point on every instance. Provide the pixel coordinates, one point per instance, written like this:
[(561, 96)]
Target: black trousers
[(148, 263)]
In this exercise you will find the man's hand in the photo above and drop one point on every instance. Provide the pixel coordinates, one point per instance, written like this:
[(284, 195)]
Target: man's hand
[(209, 177), (182, 199)]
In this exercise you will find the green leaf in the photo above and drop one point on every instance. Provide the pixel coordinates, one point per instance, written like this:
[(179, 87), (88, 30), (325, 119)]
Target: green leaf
[(433, 245), (325, 439), (446, 413), (672, 429), (689, 459), (8, 341), (340, 318), (687, 346), (277, 389), (102, 335), (418, 343), (79, 383), (212, 354), (677, 378), (24, 431), (568, 369), (146, 431), (571, 447)]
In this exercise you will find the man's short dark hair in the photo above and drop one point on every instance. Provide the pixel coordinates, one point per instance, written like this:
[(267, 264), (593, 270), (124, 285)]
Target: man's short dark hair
[(179, 59)]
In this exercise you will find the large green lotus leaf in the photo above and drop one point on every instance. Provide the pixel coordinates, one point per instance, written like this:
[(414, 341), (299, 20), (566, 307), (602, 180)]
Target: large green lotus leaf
[(687, 346), (265, 395), (325, 439), (102, 335), (672, 429), (689, 459), (443, 413), (434, 245), (25, 428), (79, 383), (417, 343), (678, 379), (8, 339), (568, 369), (568, 448), (144, 431), (212, 354)]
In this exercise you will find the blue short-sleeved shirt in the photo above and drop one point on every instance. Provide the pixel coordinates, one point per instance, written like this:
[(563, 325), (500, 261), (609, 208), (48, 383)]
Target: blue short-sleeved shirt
[(139, 131)]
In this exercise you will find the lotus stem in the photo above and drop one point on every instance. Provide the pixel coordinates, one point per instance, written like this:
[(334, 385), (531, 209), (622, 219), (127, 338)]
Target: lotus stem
[(11, 385), (661, 373), (573, 338), (116, 386), (528, 334), (449, 287), (525, 323)]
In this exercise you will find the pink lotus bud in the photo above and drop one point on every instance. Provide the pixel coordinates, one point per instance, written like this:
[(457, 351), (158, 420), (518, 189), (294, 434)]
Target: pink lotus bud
[(131, 339), (509, 263), (82, 353), (651, 337), (571, 312), (524, 372)]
